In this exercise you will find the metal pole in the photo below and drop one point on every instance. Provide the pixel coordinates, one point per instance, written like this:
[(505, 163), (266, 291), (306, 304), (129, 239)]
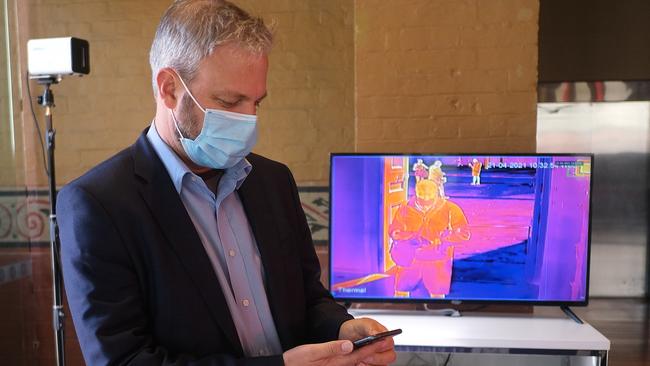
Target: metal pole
[(47, 101)]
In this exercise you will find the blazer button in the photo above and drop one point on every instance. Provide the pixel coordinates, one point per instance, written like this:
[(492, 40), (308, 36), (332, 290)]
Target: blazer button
[(245, 303)]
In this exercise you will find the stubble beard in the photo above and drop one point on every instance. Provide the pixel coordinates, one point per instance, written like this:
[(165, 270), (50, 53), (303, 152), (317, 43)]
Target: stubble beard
[(187, 121)]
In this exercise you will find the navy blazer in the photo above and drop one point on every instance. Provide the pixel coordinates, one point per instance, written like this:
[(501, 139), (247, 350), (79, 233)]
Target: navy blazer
[(140, 286)]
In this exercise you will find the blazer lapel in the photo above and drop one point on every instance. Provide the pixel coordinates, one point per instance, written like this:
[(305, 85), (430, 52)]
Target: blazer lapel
[(159, 193)]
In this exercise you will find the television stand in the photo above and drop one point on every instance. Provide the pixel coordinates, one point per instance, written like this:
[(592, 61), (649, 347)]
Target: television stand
[(571, 314), (495, 336)]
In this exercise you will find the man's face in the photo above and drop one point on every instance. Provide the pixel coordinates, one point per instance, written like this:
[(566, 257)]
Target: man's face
[(427, 203), (427, 194), (231, 79)]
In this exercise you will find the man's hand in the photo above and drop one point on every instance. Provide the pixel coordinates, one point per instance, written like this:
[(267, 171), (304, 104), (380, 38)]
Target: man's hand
[(335, 353), (398, 234), (383, 351)]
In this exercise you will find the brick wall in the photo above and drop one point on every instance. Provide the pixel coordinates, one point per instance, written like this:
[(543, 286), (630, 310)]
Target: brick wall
[(98, 115), (309, 111), (429, 76), (446, 75)]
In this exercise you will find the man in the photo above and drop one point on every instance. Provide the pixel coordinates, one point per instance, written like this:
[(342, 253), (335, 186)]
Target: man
[(476, 172), (424, 231), (421, 170), (438, 176), (185, 249)]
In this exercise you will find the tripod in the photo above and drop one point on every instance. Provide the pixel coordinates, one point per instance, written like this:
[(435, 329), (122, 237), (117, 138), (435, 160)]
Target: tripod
[(47, 101)]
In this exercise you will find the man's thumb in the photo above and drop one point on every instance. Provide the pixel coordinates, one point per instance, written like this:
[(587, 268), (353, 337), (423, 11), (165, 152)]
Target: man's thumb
[(337, 347)]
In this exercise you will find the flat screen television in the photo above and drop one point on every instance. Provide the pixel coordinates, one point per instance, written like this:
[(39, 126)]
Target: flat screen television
[(460, 228)]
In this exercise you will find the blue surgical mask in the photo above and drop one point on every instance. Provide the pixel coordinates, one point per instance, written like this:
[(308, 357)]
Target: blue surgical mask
[(225, 139)]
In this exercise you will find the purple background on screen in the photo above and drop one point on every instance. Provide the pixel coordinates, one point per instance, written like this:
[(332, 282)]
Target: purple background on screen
[(530, 228)]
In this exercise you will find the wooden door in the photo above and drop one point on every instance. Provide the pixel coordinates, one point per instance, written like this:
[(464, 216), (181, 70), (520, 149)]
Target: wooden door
[(396, 178)]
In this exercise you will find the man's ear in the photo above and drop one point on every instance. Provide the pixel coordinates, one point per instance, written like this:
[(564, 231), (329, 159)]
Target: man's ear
[(167, 87)]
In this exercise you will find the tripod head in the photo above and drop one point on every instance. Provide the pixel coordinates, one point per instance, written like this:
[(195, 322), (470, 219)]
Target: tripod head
[(47, 99)]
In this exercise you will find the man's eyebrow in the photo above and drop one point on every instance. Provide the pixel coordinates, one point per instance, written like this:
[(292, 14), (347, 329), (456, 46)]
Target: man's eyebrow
[(219, 95)]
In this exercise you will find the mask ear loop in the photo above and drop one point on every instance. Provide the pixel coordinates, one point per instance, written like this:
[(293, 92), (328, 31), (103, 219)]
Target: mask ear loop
[(189, 92), (191, 96), (176, 125)]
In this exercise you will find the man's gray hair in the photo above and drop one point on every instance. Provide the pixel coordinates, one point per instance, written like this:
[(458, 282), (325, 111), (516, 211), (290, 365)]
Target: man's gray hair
[(190, 30)]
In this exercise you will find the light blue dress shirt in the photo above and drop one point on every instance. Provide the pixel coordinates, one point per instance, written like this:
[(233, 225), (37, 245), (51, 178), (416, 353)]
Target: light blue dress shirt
[(228, 240)]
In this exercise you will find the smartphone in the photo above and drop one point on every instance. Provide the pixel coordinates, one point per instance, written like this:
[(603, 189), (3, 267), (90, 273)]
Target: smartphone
[(374, 338)]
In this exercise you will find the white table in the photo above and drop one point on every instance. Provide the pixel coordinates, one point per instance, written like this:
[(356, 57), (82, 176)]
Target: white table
[(491, 333)]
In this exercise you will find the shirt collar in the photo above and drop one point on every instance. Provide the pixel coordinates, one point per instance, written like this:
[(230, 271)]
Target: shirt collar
[(177, 169)]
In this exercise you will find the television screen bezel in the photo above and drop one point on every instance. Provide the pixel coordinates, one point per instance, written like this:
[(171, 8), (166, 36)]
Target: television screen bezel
[(393, 300)]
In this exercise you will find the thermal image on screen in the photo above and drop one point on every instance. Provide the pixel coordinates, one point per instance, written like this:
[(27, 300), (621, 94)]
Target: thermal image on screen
[(501, 228)]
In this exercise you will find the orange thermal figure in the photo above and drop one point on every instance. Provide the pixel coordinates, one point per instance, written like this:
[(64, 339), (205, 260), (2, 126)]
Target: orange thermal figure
[(476, 172), (423, 232), (438, 176), (420, 170)]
